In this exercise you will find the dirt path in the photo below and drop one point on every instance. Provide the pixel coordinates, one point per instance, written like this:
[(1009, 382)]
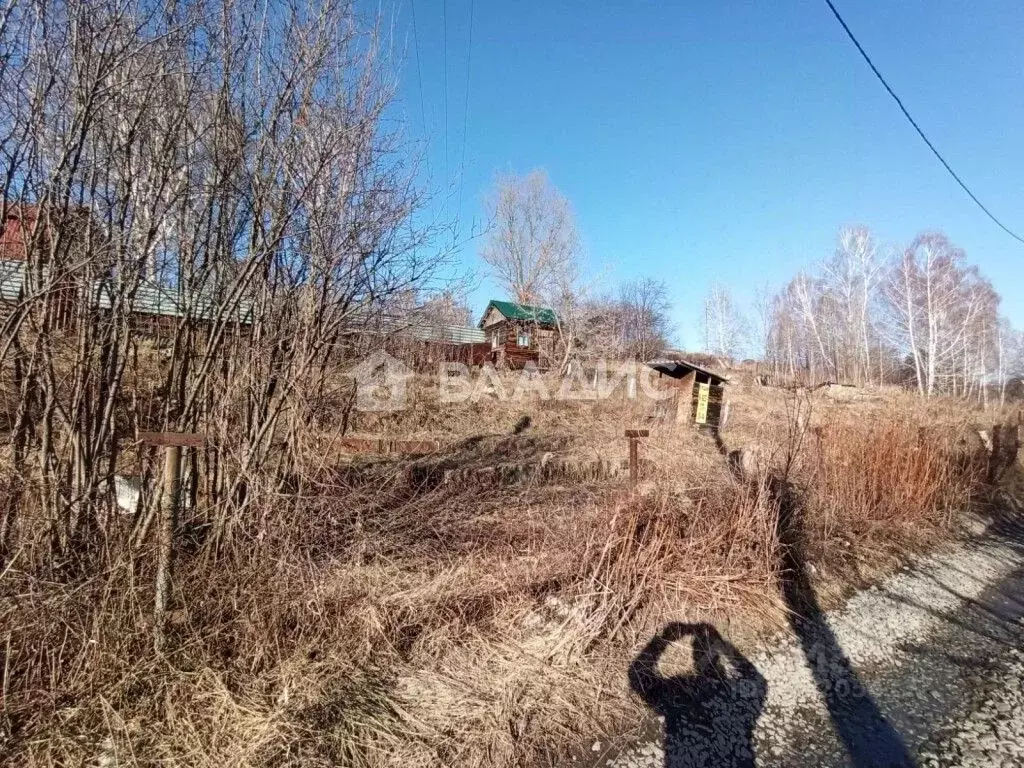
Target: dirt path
[(924, 669)]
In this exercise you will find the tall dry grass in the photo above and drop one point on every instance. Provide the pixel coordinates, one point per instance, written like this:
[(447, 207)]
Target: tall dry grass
[(377, 622), (886, 485), (371, 628)]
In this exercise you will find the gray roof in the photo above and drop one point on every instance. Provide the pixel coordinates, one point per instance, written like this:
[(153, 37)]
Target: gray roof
[(417, 327), (151, 298), (452, 334), (677, 368), (411, 323)]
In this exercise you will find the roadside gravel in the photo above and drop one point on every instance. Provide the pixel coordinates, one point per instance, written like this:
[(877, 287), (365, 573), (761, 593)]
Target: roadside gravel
[(889, 678), (991, 735)]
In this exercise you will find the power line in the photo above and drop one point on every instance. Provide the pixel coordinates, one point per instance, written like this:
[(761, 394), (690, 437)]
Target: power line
[(444, 36), (419, 72), (465, 105), (917, 128)]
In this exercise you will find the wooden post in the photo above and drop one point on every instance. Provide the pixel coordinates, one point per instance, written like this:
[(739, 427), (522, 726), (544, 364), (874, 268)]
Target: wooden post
[(634, 435), (634, 460), (172, 443), (996, 455), (165, 544), (684, 405)]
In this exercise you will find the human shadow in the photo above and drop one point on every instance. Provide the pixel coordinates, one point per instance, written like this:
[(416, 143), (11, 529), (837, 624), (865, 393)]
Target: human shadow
[(710, 713), (868, 737)]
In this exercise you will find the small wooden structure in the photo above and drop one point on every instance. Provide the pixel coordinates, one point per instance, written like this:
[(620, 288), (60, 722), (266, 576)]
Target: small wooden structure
[(701, 396), (520, 334)]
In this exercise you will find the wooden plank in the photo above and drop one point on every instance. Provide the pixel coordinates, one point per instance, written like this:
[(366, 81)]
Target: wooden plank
[(386, 445), (684, 406), (413, 446), (360, 445), (179, 439), (633, 433)]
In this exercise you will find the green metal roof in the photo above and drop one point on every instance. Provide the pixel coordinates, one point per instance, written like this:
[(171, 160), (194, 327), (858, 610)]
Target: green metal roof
[(513, 311)]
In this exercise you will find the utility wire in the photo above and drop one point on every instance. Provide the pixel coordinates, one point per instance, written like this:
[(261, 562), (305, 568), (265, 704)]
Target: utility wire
[(465, 105), (444, 24), (917, 128), (419, 71)]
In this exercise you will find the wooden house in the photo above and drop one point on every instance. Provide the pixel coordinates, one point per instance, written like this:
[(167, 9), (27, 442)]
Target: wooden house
[(29, 270), (520, 334), (26, 229), (17, 230), (701, 393)]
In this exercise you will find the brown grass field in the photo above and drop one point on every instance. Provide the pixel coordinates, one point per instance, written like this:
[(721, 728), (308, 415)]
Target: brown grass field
[(391, 618)]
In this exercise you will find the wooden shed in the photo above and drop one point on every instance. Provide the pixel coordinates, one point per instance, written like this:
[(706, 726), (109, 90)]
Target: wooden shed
[(701, 396), (520, 334)]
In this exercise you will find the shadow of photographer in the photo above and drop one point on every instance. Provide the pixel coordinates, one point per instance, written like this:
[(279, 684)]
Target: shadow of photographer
[(709, 713), (867, 735)]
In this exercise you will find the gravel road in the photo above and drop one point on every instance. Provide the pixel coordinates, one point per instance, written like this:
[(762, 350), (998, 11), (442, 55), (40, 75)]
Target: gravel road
[(924, 669)]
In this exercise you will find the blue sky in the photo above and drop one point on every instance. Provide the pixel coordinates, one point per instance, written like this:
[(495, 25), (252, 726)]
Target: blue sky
[(726, 141)]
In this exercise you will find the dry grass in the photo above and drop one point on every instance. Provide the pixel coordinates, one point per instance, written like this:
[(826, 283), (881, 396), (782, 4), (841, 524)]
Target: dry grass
[(378, 623), (887, 484)]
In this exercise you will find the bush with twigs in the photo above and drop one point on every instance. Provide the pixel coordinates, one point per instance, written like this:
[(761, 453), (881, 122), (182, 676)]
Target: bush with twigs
[(886, 484)]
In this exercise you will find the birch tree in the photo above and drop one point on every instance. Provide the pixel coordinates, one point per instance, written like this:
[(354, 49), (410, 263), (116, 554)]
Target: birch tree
[(851, 278), (533, 245), (726, 330), (932, 302), (924, 317)]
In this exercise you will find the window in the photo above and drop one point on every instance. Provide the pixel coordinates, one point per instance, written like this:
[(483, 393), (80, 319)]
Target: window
[(524, 339), (494, 340)]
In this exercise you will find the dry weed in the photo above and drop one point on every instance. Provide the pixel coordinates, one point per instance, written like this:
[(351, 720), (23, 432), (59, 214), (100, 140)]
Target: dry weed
[(377, 622)]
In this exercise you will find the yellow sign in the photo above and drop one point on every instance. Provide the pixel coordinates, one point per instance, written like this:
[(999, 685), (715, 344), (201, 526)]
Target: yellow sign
[(703, 390)]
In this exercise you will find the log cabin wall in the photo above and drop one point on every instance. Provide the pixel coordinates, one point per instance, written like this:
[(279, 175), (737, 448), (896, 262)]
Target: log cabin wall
[(507, 351)]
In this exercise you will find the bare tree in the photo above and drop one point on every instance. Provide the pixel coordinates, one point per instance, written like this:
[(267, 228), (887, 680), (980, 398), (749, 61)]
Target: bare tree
[(933, 300), (210, 180), (446, 308), (851, 278), (726, 329), (533, 245), (1010, 352), (925, 316), (644, 323)]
